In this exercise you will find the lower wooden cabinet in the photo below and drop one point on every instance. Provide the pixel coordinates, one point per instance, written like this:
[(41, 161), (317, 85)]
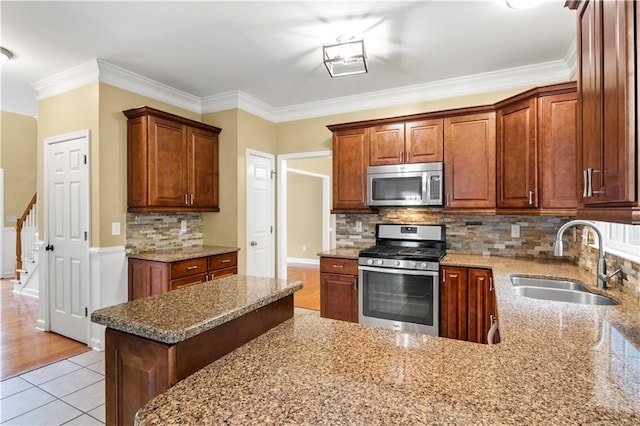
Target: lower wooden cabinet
[(339, 289), (148, 277), (467, 304)]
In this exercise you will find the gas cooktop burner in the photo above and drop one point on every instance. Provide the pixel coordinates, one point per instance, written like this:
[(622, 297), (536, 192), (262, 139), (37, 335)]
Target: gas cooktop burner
[(406, 253), (411, 243)]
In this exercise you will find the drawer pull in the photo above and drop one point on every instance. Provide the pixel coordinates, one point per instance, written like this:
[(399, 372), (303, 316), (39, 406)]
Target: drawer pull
[(226, 261), (191, 268), (338, 266)]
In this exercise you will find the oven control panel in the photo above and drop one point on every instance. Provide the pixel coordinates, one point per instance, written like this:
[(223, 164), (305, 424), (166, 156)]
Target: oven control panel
[(399, 264)]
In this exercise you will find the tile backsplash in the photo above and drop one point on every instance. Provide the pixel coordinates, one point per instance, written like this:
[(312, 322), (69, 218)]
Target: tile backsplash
[(154, 231), (491, 235)]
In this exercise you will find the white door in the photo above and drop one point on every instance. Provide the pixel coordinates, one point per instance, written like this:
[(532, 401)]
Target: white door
[(260, 206), (67, 218)]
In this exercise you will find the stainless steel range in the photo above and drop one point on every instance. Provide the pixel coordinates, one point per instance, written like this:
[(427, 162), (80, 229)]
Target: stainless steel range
[(399, 278)]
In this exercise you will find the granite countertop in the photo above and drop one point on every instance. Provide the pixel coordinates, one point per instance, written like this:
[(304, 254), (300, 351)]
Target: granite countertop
[(183, 313), (175, 255), (345, 253), (558, 363)]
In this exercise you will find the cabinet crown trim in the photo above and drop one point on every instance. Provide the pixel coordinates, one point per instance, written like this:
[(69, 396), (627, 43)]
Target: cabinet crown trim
[(146, 110)]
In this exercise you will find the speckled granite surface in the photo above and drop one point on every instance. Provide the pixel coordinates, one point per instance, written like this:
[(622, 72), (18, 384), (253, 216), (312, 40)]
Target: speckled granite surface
[(180, 314), (558, 363), (346, 253), (175, 255)]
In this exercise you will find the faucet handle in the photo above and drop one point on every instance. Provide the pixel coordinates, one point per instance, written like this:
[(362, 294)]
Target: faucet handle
[(608, 277)]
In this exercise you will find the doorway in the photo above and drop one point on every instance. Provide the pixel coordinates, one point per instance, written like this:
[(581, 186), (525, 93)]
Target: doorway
[(66, 200), (260, 212)]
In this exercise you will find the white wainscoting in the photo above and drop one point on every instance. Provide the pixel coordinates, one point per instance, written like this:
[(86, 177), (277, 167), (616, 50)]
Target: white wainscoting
[(8, 252), (108, 275)]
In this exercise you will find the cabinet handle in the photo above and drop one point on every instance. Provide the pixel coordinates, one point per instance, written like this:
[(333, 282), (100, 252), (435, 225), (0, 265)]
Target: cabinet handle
[(338, 266), (530, 198), (584, 183), (589, 179), (226, 261), (492, 330), (191, 268), (490, 283), (186, 199), (446, 203), (408, 156), (191, 199), (400, 156)]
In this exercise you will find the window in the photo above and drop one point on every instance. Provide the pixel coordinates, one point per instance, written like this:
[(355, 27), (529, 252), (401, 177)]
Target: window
[(621, 240)]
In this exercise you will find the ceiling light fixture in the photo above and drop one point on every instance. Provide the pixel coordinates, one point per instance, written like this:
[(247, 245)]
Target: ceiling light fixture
[(5, 55), (346, 57)]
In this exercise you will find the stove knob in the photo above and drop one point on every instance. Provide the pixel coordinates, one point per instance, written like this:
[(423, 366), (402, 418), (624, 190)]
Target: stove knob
[(369, 261), (379, 262), (423, 265), (396, 263), (412, 264)]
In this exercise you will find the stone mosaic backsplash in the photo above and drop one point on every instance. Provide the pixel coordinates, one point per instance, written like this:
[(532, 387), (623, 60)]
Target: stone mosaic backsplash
[(491, 235), (154, 231)]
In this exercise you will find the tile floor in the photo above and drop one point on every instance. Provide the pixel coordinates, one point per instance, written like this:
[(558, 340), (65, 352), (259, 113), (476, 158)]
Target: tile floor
[(68, 392)]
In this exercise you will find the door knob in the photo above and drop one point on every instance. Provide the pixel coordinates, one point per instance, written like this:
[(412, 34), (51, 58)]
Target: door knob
[(253, 244)]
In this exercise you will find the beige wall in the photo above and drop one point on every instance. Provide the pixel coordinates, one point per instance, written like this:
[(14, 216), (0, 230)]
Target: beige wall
[(240, 130), (18, 158), (304, 216)]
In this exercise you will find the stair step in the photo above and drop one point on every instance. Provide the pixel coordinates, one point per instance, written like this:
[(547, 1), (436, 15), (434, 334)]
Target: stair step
[(28, 260), (16, 281), (22, 271)]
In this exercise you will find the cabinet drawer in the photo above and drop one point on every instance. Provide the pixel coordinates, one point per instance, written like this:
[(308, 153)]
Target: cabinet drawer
[(219, 273), (187, 281), (339, 266), (188, 267), (221, 261)]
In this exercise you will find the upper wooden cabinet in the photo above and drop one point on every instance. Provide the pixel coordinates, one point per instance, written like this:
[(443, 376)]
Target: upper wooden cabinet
[(470, 161), (172, 163), (536, 150), (402, 143), (607, 91), (350, 162)]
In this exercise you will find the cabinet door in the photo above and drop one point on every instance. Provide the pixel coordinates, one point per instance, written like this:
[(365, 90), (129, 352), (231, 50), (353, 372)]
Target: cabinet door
[(203, 169), (453, 303), (386, 145), (517, 165), (470, 161), (607, 100), (557, 146), (147, 278), (167, 163), (481, 304), (339, 297), (424, 141), (350, 161)]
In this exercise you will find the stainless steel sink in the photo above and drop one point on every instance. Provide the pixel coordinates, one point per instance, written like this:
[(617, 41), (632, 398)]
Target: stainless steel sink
[(558, 290)]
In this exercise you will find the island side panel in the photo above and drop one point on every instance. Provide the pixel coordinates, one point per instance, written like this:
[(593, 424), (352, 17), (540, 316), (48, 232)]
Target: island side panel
[(201, 350), (136, 369)]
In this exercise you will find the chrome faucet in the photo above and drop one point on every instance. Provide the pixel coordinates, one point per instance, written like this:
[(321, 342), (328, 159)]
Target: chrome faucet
[(601, 273)]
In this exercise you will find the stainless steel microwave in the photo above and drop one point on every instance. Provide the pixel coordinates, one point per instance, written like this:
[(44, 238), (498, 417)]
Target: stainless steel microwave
[(419, 184)]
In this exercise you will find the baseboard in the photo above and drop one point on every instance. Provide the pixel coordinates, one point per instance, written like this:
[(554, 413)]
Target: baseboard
[(302, 261), (41, 325), (31, 292)]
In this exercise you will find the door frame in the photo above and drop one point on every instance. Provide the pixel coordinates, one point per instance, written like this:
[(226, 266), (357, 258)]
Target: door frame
[(282, 206), (44, 308), (252, 152)]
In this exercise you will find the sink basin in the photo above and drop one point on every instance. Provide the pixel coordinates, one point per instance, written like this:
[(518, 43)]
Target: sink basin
[(558, 290)]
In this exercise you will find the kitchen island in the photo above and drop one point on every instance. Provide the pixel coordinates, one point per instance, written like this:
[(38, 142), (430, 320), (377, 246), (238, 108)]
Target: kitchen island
[(152, 343), (558, 363)]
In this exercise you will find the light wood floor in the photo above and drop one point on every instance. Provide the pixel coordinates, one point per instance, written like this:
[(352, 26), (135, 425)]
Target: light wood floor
[(309, 296), (22, 347)]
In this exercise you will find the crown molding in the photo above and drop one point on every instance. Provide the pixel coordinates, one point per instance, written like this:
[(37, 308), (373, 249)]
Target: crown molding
[(571, 58), (133, 82), (99, 70), (67, 80)]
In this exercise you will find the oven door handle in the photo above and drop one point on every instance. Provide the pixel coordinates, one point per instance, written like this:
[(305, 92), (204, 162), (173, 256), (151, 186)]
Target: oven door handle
[(399, 271)]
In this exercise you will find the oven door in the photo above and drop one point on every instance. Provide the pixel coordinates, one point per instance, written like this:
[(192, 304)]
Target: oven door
[(399, 299)]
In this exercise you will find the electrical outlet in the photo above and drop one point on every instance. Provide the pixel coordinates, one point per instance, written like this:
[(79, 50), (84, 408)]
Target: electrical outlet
[(304, 248), (358, 226), (515, 231), (183, 227), (115, 228)]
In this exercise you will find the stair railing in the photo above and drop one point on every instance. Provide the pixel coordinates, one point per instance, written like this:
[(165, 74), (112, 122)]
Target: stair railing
[(25, 235)]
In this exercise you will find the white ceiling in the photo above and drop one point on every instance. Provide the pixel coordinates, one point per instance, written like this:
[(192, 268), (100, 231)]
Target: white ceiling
[(272, 50)]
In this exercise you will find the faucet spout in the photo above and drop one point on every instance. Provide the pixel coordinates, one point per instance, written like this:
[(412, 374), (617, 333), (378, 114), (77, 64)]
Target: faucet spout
[(601, 273)]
